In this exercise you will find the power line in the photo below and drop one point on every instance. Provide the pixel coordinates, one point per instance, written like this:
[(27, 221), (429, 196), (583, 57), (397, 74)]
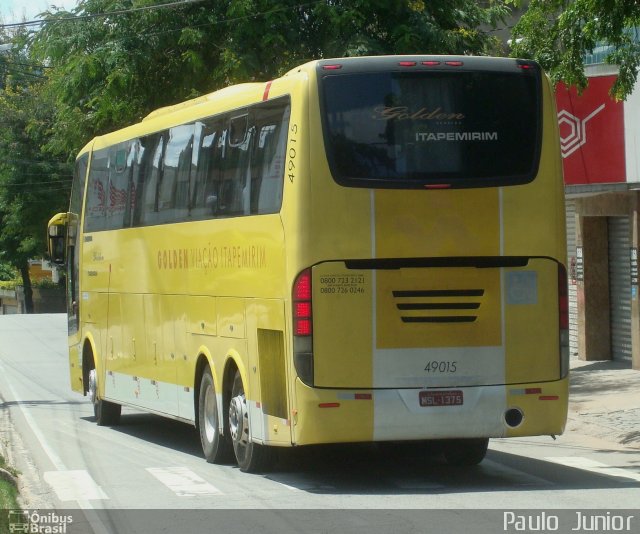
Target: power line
[(22, 184), (181, 28), (57, 178), (96, 15), (34, 161), (192, 26), (34, 65), (12, 70)]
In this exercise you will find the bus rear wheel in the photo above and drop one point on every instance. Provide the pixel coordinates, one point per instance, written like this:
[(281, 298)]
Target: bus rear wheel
[(105, 413), (465, 452), (216, 447), (251, 457)]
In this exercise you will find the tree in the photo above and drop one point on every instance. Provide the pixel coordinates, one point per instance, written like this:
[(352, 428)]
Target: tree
[(277, 36), (32, 184), (558, 33)]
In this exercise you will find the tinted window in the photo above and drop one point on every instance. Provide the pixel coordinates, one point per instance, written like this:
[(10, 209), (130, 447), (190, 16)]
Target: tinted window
[(272, 126), (97, 194), (173, 194), (233, 191), (223, 166), (121, 158), (464, 128), (239, 164), (205, 180), (151, 177), (77, 188)]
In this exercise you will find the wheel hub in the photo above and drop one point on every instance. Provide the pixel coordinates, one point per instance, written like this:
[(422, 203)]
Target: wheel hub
[(210, 419), (237, 419), (93, 386)]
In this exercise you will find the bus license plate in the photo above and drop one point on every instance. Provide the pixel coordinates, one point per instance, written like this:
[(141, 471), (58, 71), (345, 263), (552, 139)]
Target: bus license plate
[(441, 398)]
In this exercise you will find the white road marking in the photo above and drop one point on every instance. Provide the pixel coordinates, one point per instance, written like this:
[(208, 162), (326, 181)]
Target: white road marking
[(587, 464), (74, 485), (182, 481), (57, 476), (53, 457)]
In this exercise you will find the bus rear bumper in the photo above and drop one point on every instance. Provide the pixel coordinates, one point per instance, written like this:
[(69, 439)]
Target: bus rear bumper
[(343, 416)]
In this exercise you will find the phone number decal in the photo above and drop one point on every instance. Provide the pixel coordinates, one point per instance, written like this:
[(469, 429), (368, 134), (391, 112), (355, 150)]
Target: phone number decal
[(341, 284)]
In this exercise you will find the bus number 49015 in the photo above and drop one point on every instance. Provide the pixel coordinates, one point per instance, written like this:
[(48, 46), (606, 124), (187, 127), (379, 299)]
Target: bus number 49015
[(441, 367)]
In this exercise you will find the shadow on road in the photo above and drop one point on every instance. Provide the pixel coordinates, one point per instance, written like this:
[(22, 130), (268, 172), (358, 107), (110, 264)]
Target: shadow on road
[(385, 468)]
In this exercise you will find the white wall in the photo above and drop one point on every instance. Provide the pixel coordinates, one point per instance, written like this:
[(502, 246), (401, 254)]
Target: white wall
[(632, 134)]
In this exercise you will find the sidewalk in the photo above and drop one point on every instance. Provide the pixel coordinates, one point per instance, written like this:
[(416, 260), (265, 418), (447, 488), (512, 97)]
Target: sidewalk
[(604, 401)]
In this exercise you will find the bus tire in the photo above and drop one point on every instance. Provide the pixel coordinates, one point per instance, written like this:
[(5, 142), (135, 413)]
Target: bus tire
[(251, 457), (105, 413), (465, 452), (216, 447)]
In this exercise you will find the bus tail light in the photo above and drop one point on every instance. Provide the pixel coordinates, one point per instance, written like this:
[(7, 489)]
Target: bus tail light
[(303, 327), (563, 314), (302, 319)]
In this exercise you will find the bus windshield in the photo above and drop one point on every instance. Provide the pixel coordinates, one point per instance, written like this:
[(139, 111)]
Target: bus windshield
[(427, 128)]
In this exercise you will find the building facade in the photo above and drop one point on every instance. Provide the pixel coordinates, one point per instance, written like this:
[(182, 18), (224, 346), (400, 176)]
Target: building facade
[(600, 143)]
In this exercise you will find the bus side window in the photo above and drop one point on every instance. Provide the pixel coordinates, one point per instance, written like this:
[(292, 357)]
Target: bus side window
[(173, 193), (151, 178), (144, 151), (268, 159), (97, 195), (233, 197), (206, 158), (134, 157), (120, 166)]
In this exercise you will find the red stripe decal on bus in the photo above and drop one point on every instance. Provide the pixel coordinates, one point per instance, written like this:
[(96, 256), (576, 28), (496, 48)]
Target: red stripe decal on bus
[(267, 88)]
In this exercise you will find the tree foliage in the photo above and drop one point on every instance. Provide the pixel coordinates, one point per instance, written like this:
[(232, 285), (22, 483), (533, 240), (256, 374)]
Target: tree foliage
[(32, 184), (558, 33)]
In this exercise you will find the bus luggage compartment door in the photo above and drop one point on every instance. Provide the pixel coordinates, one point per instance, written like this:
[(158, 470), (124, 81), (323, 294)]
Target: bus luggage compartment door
[(435, 326)]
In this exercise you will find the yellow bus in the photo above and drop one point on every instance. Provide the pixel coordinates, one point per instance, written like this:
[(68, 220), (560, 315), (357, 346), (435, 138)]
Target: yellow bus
[(363, 250)]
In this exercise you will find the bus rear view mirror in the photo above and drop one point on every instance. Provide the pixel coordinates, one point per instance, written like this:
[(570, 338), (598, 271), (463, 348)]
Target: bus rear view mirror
[(56, 238)]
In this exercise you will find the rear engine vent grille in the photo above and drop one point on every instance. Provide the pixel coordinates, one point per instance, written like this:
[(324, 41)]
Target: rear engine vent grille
[(431, 300)]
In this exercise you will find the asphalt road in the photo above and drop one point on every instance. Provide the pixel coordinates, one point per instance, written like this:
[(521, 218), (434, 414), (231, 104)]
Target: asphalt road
[(148, 474)]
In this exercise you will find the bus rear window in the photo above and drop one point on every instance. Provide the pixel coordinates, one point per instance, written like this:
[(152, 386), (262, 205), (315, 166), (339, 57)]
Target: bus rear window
[(436, 128)]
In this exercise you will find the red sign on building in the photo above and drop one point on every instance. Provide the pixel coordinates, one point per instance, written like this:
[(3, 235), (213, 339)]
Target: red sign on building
[(591, 133)]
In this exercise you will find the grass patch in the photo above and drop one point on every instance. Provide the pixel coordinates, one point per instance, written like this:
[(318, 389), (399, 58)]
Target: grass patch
[(8, 496)]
